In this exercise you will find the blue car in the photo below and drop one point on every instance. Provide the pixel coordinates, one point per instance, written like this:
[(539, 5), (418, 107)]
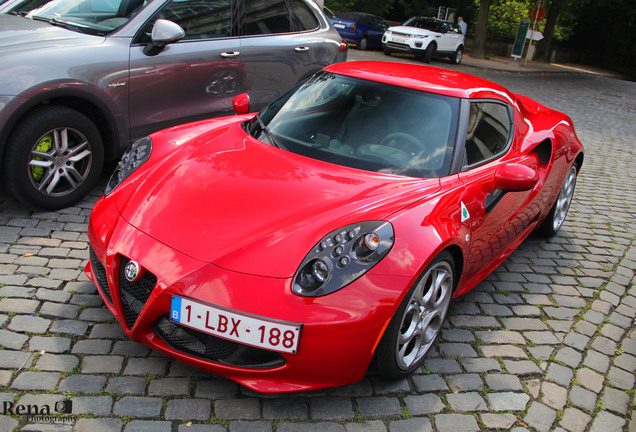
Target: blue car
[(362, 29)]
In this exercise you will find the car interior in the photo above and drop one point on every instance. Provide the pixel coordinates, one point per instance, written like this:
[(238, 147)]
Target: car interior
[(388, 127)]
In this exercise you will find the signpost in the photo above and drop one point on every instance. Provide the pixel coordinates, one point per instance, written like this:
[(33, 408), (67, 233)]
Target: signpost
[(520, 40), (537, 15), (524, 32)]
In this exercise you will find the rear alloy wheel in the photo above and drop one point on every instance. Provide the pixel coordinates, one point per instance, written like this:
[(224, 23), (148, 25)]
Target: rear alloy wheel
[(53, 158), (559, 210), (363, 44), (418, 321), (457, 57)]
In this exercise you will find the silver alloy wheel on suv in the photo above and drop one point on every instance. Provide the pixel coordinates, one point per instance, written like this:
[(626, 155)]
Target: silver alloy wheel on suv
[(53, 158), (60, 160)]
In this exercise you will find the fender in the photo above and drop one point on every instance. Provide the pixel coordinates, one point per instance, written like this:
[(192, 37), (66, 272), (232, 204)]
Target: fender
[(74, 95)]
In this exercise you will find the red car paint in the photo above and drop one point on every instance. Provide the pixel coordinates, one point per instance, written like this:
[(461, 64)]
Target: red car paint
[(223, 218)]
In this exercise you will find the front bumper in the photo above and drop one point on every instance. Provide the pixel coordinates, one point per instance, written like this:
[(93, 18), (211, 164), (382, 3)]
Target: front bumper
[(340, 331), (405, 44)]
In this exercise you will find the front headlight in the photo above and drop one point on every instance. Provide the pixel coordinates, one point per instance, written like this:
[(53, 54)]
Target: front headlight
[(342, 256), (135, 156)]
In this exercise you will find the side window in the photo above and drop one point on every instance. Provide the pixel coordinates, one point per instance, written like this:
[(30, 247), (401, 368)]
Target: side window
[(488, 131), (304, 18), (200, 19), (267, 17)]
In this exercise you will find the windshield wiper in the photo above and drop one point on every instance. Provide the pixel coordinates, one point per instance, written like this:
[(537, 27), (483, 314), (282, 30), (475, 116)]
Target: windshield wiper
[(269, 133), (62, 23)]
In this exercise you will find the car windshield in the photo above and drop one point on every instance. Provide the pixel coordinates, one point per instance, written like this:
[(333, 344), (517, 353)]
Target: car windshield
[(424, 23), (364, 124), (98, 17)]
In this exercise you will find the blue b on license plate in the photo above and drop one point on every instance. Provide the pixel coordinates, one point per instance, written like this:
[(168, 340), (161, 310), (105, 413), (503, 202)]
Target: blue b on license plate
[(247, 329)]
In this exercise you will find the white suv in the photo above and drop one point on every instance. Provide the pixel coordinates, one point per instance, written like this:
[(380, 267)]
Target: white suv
[(425, 37)]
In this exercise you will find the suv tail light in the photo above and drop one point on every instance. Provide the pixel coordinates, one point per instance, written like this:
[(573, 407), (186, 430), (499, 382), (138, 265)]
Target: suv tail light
[(343, 46)]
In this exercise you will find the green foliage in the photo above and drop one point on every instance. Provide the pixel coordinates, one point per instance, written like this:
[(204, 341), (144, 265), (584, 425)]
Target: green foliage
[(505, 15), (375, 7), (396, 10)]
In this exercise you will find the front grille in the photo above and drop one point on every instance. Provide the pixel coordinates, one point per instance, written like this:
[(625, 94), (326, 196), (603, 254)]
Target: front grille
[(100, 274), (399, 46), (134, 295), (208, 347)]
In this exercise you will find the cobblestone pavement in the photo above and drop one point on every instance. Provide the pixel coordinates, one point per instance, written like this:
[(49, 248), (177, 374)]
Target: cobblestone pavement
[(546, 343)]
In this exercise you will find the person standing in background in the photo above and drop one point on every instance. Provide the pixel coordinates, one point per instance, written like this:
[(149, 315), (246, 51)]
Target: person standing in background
[(462, 25)]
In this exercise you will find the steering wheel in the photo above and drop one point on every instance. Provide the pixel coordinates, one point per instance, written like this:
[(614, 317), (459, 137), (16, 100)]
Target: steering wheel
[(404, 142)]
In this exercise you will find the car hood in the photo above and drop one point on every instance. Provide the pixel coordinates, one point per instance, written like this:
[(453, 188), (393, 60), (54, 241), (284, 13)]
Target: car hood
[(231, 200), (412, 30), (19, 34)]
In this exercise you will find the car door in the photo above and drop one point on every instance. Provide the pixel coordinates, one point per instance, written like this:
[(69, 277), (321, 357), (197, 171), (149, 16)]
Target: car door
[(498, 218), (377, 31), (446, 41), (455, 37), (276, 50), (194, 78)]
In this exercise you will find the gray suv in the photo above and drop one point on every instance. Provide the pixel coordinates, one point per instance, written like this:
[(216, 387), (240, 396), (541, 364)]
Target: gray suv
[(81, 79)]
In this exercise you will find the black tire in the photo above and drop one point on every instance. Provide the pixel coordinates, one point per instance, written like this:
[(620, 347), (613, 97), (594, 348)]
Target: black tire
[(456, 58), (430, 50), (363, 44), (559, 210), (387, 51), (389, 360), (61, 174)]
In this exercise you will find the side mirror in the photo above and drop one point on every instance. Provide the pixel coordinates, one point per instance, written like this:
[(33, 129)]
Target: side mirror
[(515, 177), (241, 103), (164, 32)]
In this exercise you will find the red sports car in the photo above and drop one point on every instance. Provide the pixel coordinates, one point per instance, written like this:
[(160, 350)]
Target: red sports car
[(291, 249)]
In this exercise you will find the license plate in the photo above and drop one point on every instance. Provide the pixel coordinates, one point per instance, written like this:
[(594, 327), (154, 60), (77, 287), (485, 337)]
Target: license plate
[(340, 26), (400, 40), (250, 330)]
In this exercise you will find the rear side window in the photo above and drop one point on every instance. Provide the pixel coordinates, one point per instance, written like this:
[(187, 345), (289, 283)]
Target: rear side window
[(200, 19), (489, 129), (304, 18), (267, 17)]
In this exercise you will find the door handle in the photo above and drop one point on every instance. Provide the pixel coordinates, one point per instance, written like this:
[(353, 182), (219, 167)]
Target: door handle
[(230, 54), (301, 49)]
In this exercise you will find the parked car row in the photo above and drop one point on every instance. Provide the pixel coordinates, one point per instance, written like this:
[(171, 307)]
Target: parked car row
[(422, 36)]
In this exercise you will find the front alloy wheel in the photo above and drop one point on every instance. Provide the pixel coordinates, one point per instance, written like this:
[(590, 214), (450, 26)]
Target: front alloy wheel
[(60, 161), (53, 158), (418, 321)]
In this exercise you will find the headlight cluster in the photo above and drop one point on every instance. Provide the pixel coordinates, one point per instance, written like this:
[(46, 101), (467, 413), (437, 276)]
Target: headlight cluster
[(342, 256), (135, 156)]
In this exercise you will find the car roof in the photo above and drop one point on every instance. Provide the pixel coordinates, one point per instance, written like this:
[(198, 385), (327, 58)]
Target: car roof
[(349, 15), (424, 78), (429, 18)]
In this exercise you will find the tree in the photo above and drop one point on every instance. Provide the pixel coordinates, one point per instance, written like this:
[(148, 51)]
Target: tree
[(543, 48), (375, 7), (479, 44)]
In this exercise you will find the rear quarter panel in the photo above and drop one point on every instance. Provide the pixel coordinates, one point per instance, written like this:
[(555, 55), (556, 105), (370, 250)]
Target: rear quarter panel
[(556, 127)]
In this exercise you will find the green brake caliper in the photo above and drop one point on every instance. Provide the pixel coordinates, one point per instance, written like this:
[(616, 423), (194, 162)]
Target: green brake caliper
[(43, 146)]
